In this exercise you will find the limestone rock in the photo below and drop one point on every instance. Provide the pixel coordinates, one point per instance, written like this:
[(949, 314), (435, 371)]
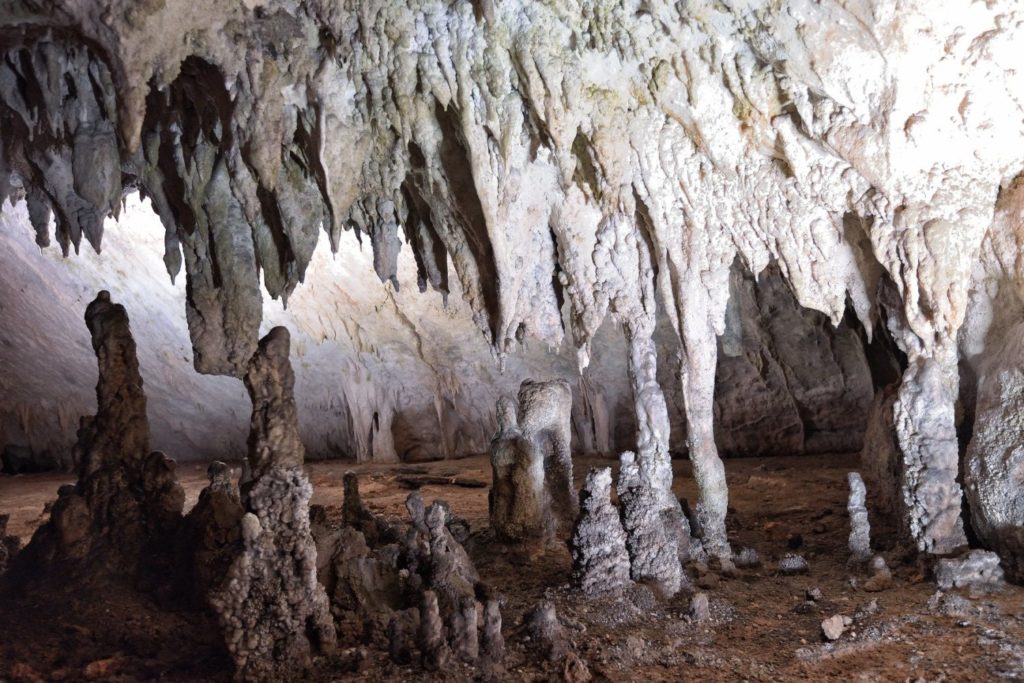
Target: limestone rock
[(545, 418), (547, 632), (599, 557), (125, 509), (994, 463), (212, 531), (274, 613), (833, 627), (9, 545), (376, 530), (978, 569), (860, 529), (653, 548), (792, 564), (518, 501), (699, 610)]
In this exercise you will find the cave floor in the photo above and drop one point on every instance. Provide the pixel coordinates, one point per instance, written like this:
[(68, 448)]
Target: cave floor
[(761, 626)]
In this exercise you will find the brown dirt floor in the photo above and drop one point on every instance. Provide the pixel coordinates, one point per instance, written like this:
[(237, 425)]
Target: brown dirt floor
[(762, 627)]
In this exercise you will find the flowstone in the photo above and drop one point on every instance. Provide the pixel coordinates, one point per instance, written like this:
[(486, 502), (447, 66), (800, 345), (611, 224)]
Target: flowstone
[(274, 613), (517, 501), (600, 562)]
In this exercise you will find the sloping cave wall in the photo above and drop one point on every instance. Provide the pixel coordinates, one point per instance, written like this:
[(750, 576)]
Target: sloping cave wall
[(392, 374)]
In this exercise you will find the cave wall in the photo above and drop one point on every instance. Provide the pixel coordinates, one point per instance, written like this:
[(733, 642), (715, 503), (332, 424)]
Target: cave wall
[(363, 347)]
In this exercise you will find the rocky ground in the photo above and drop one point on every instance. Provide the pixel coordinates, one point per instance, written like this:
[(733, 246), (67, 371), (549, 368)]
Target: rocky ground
[(761, 625)]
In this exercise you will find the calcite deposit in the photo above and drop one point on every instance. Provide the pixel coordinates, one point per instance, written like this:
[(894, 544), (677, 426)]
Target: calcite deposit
[(274, 614), (126, 502), (860, 528), (713, 227), (599, 556), (594, 156), (519, 501)]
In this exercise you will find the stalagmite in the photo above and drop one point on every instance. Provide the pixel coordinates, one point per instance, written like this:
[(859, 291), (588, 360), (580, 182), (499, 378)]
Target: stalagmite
[(652, 545), (926, 432), (212, 531), (272, 610), (518, 500), (10, 545), (860, 530), (545, 418), (600, 562), (434, 648), (123, 512)]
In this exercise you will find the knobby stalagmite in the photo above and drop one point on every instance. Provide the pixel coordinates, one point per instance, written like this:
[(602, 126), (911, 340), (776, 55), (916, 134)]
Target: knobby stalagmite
[(274, 613), (127, 503), (600, 562)]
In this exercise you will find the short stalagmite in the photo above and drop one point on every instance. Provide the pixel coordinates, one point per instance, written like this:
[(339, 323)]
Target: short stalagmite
[(213, 534), (860, 529), (274, 613), (653, 547), (545, 417), (517, 501), (600, 562)]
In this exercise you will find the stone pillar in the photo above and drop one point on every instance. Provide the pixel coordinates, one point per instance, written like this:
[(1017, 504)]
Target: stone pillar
[(274, 613)]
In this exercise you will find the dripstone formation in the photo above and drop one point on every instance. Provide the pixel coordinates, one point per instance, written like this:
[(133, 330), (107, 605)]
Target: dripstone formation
[(654, 548), (518, 501), (213, 532), (545, 418), (860, 529), (127, 502), (274, 613), (600, 562)]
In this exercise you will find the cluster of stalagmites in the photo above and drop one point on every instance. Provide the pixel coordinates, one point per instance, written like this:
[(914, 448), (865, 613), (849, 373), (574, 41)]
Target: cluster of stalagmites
[(412, 590), (533, 499), (278, 575)]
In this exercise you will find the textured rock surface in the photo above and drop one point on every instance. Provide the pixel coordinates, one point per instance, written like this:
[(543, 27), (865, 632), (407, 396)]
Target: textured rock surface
[(994, 464), (274, 614), (605, 156), (213, 532), (127, 501), (518, 502), (977, 569), (545, 418), (421, 367), (600, 562), (654, 548), (860, 528)]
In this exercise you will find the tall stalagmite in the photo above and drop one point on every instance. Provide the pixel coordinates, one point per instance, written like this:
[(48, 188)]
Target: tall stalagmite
[(126, 498), (274, 613)]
